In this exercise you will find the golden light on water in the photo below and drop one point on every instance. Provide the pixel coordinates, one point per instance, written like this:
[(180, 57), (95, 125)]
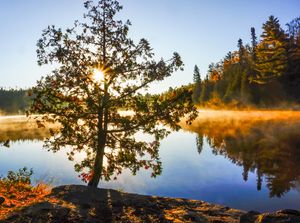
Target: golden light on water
[(98, 75)]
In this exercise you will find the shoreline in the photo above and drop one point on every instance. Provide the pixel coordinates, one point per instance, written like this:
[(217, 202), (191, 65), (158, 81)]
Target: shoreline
[(78, 203)]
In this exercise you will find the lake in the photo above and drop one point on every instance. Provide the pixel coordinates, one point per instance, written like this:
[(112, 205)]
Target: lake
[(246, 160)]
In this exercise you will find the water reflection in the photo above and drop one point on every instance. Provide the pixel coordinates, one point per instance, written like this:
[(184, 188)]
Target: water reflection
[(260, 148), (268, 147)]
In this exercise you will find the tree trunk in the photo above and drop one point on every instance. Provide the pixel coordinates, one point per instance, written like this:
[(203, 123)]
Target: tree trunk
[(98, 164), (102, 120), (102, 134), (97, 169)]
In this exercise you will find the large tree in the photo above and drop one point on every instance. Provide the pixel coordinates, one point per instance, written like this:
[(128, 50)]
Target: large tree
[(100, 71), (272, 51)]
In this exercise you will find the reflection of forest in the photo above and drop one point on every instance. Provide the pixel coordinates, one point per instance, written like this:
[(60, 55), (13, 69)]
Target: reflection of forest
[(268, 146), (21, 129)]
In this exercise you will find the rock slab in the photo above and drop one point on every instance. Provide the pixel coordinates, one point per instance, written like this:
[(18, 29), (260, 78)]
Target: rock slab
[(77, 203)]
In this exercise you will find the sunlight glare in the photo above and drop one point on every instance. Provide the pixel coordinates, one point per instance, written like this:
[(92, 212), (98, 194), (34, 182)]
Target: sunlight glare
[(98, 75)]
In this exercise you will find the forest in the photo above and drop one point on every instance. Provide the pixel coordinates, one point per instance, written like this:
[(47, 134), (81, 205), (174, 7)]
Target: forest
[(13, 101), (264, 73)]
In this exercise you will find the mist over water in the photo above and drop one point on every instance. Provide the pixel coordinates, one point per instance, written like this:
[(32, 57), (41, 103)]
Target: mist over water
[(21, 128), (243, 159)]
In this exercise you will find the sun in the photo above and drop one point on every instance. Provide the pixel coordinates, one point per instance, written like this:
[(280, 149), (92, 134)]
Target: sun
[(98, 75)]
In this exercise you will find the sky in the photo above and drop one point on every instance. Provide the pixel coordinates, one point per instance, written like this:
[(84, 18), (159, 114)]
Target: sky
[(201, 31)]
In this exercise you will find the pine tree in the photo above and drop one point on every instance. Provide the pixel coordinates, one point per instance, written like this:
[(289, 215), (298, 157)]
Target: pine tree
[(271, 52), (196, 76), (241, 50), (253, 43), (197, 85), (234, 74), (205, 90), (244, 71), (199, 143)]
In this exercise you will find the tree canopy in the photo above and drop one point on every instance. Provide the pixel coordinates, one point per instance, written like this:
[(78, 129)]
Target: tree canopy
[(99, 72)]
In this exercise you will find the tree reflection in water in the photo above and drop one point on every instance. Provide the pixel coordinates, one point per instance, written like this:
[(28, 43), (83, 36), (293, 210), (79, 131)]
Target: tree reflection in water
[(266, 145), (269, 147)]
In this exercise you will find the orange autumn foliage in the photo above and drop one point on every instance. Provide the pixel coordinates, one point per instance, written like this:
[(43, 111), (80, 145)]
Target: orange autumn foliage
[(18, 192)]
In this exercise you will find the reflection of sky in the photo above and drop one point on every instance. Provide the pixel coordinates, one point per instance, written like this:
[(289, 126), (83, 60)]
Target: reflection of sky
[(185, 174), (45, 164)]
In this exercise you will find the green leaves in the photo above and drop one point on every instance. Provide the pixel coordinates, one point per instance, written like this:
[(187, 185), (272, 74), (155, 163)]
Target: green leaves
[(22, 176), (88, 111)]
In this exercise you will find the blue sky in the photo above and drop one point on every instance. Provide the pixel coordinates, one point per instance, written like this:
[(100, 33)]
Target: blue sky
[(202, 31)]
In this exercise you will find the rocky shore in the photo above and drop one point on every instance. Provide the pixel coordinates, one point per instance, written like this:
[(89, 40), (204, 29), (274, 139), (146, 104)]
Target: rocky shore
[(75, 204)]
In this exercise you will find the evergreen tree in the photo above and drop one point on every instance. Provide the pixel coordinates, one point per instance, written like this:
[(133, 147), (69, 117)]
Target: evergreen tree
[(196, 76), (234, 73), (271, 52), (205, 91), (241, 50), (253, 43), (197, 85), (199, 143), (244, 70)]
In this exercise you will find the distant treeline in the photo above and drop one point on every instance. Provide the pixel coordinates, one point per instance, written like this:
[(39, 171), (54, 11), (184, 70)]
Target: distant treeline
[(265, 72), (13, 101)]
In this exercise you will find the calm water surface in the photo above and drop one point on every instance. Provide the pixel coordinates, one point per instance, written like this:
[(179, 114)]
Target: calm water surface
[(250, 163)]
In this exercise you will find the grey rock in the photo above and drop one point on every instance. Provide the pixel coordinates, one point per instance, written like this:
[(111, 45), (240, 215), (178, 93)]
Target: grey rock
[(88, 205)]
